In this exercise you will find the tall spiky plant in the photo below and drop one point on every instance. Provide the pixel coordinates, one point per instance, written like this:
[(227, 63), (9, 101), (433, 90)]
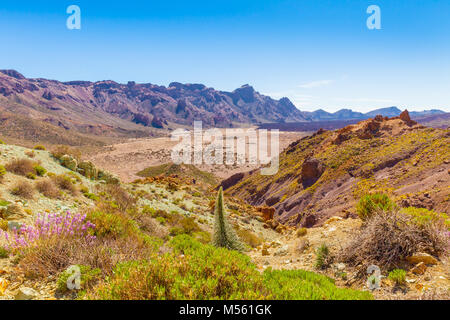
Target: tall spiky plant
[(224, 234)]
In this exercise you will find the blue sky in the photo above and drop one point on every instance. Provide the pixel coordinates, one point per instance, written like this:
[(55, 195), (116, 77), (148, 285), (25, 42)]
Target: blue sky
[(319, 53)]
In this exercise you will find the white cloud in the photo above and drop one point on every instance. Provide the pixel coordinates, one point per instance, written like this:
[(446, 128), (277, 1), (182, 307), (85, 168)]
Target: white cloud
[(315, 84)]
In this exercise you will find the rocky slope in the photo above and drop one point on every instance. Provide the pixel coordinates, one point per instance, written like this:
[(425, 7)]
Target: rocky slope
[(325, 174)]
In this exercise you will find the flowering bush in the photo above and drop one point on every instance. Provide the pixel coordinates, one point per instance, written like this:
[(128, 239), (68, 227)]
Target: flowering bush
[(47, 226)]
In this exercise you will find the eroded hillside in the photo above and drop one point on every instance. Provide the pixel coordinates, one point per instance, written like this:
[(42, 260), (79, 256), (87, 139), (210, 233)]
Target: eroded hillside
[(325, 174)]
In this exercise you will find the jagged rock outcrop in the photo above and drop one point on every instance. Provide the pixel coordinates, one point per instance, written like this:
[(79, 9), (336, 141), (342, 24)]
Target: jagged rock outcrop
[(312, 169)]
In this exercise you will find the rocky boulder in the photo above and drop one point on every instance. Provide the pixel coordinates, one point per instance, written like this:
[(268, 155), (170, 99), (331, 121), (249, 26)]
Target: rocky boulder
[(88, 169), (312, 170), (404, 116), (69, 162)]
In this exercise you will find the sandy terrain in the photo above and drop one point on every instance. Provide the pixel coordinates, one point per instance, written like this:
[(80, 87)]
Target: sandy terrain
[(126, 159)]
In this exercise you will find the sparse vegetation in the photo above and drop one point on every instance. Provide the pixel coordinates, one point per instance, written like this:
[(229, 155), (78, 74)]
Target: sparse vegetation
[(48, 188), (190, 277), (65, 183), (23, 189), (2, 172), (371, 203), (39, 147), (88, 278), (397, 276), (388, 237), (301, 232), (249, 238), (40, 171), (59, 151), (21, 166), (323, 257)]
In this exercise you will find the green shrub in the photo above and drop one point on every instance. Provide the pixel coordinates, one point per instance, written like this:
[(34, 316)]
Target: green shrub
[(149, 210), (323, 257), (4, 203), (2, 172), (425, 217), (88, 278), (39, 147), (31, 176), (1, 142), (206, 272), (114, 225), (161, 220), (305, 285), (301, 232), (40, 171), (398, 276), (3, 253), (91, 196), (369, 204)]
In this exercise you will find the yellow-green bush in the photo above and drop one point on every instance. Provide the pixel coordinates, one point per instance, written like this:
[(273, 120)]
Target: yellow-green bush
[(206, 272), (370, 203), (115, 225), (301, 232), (305, 285), (2, 172), (88, 278), (398, 276), (323, 257), (424, 216)]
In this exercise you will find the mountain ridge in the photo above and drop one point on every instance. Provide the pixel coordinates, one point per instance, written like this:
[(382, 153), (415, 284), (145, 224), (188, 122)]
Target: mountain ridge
[(349, 114), (145, 104)]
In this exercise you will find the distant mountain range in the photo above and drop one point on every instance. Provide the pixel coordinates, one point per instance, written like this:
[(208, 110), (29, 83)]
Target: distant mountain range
[(347, 114), (72, 103), (47, 110)]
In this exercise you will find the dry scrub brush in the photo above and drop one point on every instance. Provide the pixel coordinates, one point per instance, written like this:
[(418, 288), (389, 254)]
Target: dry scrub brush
[(23, 189), (389, 237), (21, 166), (54, 255), (48, 188)]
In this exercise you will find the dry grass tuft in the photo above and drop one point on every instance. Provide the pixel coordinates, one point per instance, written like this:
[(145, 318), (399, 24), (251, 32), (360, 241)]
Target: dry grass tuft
[(23, 189), (21, 166), (64, 182), (121, 197), (62, 150), (54, 255), (48, 188), (389, 237)]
